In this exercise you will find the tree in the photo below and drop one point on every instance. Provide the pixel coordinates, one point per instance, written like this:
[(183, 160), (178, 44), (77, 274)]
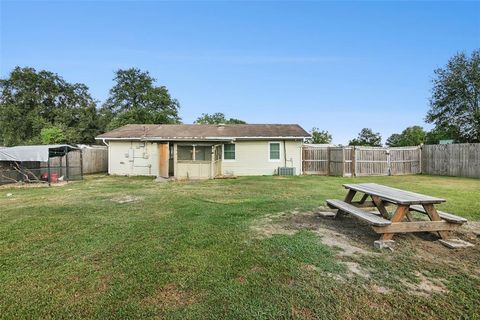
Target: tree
[(320, 137), (135, 99), (52, 135), (455, 100), (31, 101), (367, 137), (216, 118), (411, 136)]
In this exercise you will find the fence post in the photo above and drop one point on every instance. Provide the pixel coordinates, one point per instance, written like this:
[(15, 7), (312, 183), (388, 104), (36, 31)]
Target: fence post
[(328, 160), (389, 164), (354, 162)]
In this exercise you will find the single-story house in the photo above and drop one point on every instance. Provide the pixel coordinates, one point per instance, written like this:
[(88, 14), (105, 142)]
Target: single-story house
[(197, 151)]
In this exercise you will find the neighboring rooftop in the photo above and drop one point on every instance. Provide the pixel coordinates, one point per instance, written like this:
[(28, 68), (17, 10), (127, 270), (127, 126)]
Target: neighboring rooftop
[(205, 132)]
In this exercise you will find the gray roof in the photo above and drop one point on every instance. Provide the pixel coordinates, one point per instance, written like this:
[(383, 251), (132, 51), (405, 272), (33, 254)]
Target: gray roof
[(205, 132), (33, 153)]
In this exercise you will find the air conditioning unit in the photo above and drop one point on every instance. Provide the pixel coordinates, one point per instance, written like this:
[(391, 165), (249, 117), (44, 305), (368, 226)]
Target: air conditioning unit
[(286, 171)]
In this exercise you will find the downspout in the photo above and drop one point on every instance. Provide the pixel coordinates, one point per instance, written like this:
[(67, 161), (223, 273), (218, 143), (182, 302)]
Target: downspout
[(284, 154), (103, 140)]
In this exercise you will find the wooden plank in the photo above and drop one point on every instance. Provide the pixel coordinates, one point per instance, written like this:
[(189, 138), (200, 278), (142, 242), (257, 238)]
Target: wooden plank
[(416, 226), (444, 215), (433, 214), (163, 159), (366, 216), (392, 194), (379, 204), (397, 217)]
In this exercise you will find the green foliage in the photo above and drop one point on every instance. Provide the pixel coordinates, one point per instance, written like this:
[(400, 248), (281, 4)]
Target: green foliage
[(411, 136), (455, 100), (31, 101), (367, 137), (217, 118), (320, 137), (135, 99), (440, 133), (52, 135)]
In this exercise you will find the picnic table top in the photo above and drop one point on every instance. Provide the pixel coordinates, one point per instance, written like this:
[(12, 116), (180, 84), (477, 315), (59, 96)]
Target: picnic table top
[(393, 195)]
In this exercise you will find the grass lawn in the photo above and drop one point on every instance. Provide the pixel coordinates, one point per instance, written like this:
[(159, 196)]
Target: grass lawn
[(116, 247)]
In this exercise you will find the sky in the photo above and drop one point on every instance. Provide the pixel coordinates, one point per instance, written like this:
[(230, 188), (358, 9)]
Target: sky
[(338, 66)]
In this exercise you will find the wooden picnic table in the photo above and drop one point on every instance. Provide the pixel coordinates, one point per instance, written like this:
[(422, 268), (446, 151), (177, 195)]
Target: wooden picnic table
[(402, 220)]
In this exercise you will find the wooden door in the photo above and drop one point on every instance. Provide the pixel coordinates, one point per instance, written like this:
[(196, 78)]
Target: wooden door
[(163, 160)]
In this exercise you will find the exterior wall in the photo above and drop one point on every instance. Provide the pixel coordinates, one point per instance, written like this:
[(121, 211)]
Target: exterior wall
[(193, 170), (133, 158), (252, 158)]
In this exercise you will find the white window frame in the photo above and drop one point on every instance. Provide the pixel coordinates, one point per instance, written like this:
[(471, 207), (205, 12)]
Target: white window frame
[(223, 153), (279, 151)]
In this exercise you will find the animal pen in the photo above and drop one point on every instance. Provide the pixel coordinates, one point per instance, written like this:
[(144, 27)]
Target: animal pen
[(40, 164), (360, 161)]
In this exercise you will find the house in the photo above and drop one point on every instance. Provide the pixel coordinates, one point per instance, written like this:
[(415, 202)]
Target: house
[(199, 151)]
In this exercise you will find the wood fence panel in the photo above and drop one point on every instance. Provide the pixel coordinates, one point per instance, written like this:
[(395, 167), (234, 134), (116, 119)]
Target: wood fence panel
[(371, 161), (315, 160), (360, 161), (460, 160), (337, 161), (95, 160)]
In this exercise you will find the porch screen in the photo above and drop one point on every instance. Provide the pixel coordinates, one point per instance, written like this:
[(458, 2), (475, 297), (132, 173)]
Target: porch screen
[(185, 152), (203, 153)]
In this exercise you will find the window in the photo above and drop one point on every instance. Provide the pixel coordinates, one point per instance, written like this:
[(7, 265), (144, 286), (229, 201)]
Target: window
[(203, 153), (229, 152), (274, 151), (185, 153)]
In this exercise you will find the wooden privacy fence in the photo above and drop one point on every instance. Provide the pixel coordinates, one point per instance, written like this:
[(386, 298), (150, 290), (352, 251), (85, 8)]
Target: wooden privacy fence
[(360, 161), (461, 159), (95, 160)]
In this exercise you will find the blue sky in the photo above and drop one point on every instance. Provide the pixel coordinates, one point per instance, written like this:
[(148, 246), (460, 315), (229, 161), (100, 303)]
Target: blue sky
[(339, 66)]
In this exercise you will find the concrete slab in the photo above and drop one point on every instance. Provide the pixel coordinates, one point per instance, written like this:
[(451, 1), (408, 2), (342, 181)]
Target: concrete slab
[(326, 214), (384, 244), (455, 243)]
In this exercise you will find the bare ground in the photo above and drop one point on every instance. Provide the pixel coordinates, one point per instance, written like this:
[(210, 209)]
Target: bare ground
[(354, 239)]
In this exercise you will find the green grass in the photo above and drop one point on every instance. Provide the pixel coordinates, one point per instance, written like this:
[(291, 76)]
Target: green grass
[(187, 250)]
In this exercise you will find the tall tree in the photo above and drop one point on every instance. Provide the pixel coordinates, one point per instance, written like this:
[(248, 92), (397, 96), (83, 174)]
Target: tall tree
[(136, 99), (216, 118), (31, 101), (455, 100), (320, 136), (367, 137), (411, 136)]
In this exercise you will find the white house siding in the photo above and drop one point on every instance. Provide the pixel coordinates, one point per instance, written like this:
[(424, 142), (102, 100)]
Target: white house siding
[(252, 158), (133, 158)]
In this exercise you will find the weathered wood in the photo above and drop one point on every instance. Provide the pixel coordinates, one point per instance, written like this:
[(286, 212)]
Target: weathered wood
[(394, 195), (359, 213), (444, 215), (433, 214), (379, 204), (397, 217), (360, 161), (163, 152), (461, 159), (416, 226)]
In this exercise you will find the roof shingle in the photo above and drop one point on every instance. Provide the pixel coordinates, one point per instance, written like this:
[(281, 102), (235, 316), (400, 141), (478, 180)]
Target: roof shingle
[(202, 131)]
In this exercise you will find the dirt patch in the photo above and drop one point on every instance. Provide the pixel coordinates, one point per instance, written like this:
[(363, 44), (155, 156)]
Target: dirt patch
[(169, 297), (22, 185), (302, 313), (126, 199), (425, 286), (380, 289)]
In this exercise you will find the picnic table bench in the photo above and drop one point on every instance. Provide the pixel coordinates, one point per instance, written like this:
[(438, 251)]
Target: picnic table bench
[(402, 220)]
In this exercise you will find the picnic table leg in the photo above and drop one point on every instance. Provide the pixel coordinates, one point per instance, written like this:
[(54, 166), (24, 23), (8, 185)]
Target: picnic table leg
[(397, 217), (380, 206), (433, 215), (348, 199)]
